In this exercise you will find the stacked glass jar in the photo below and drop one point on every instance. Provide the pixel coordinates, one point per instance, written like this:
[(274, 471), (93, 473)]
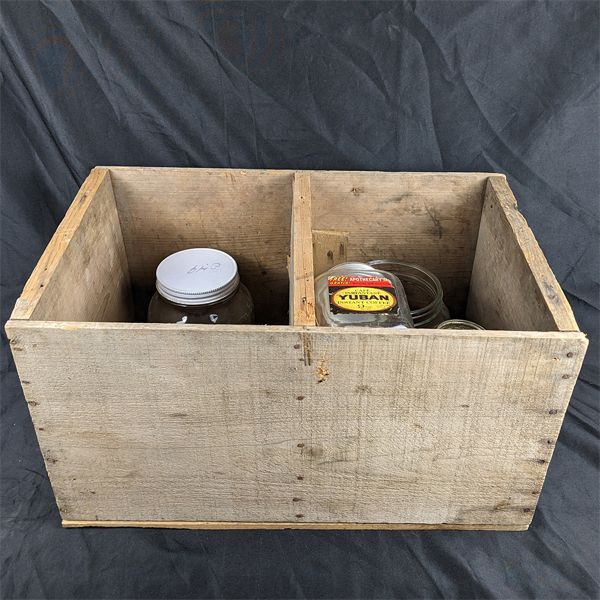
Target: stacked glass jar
[(379, 294), (423, 291), (357, 294)]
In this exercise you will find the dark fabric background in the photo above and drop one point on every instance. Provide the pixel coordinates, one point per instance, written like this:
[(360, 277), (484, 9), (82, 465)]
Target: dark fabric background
[(497, 86)]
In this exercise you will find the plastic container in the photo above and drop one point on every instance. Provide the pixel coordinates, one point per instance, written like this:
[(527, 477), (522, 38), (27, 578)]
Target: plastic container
[(200, 285)]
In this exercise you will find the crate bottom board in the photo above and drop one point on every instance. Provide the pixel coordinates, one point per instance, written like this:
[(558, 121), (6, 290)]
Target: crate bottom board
[(68, 523)]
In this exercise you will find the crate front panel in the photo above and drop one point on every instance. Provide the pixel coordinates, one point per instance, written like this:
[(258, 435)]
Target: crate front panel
[(140, 422)]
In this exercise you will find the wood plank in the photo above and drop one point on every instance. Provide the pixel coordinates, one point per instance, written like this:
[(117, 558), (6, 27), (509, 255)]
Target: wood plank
[(219, 525), (246, 213), (330, 248), (431, 219), (315, 425), (512, 286), (83, 273), (302, 283)]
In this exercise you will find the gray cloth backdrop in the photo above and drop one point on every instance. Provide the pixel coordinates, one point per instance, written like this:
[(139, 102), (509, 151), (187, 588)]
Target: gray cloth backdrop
[(437, 86)]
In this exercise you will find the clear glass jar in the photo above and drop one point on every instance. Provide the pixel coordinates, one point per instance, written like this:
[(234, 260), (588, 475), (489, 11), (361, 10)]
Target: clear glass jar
[(356, 294), (423, 291), (200, 285), (459, 324)]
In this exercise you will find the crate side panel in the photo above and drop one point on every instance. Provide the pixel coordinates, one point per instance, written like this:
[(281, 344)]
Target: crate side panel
[(244, 213), (431, 219), (196, 425), (513, 287), (83, 274)]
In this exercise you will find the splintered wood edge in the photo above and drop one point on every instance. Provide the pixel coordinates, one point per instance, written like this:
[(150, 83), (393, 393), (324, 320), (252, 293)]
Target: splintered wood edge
[(69, 523), (52, 255), (544, 278), (302, 286)]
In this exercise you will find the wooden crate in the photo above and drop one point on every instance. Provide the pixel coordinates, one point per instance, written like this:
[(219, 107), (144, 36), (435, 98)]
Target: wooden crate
[(281, 424)]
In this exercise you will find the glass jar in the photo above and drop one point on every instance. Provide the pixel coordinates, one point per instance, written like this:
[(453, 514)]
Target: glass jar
[(200, 285), (459, 324), (356, 294), (423, 291)]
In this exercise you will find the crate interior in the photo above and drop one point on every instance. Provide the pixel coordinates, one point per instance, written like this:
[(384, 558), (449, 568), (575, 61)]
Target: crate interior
[(138, 216), (430, 220), (246, 214)]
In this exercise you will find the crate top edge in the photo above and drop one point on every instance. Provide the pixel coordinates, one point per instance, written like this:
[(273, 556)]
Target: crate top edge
[(26, 324), (253, 171)]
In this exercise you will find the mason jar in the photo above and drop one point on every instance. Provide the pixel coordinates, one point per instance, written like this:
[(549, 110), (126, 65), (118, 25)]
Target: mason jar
[(200, 285), (459, 324), (423, 291)]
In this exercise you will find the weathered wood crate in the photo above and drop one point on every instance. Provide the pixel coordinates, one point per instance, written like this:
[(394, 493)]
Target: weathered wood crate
[(283, 424)]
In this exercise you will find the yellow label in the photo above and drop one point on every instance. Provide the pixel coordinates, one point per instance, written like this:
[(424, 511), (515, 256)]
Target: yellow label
[(363, 299)]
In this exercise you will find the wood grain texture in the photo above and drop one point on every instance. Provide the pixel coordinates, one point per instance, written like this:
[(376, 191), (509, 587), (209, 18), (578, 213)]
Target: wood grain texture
[(302, 283), (151, 423), (83, 273), (246, 213), (330, 248), (512, 286), (291, 525), (431, 219)]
